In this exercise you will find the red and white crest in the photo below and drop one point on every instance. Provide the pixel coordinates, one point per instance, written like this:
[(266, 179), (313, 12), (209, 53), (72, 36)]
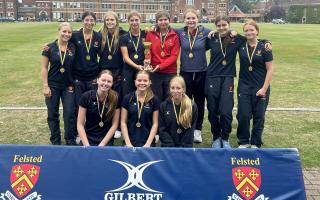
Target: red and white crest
[(247, 181), (23, 178)]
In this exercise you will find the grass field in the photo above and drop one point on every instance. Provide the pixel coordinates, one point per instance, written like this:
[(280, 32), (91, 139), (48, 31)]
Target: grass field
[(295, 84)]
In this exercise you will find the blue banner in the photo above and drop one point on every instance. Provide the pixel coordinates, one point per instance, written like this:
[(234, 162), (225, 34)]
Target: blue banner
[(119, 173)]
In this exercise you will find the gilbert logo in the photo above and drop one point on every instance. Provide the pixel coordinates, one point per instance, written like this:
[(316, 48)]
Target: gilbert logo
[(135, 179), (247, 180), (23, 179)]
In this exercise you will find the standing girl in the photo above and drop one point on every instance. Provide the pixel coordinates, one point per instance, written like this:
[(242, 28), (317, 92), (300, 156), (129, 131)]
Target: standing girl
[(57, 80), (99, 111), (164, 54), (139, 114), (133, 51), (254, 87), (111, 57), (177, 117), (194, 62)]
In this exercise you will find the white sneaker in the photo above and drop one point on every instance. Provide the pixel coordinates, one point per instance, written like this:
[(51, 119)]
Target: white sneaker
[(156, 138), (78, 139), (254, 147), (197, 136), (243, 146), (117, 134)]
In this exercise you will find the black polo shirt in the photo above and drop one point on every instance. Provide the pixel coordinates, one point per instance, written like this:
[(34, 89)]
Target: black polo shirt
[(139, 136), (127, 41), (95, 133), (83, 69), (55, 77), (256, 77), (117, 61)]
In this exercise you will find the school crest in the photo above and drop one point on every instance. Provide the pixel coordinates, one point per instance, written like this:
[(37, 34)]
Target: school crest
[(23, 178), (247, 181)]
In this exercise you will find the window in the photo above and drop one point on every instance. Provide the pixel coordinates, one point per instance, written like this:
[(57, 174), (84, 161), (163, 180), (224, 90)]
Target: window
[(135, 7), (190, 2), (106, 6), (315, 12)]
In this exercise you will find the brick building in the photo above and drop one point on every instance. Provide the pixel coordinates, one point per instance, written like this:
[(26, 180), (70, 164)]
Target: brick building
[(71, 10)]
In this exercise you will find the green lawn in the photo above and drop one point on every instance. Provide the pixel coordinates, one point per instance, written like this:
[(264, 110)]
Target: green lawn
[(295, 84)]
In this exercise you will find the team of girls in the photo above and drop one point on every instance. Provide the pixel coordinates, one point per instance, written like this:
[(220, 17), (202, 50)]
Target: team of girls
[(122, 54)]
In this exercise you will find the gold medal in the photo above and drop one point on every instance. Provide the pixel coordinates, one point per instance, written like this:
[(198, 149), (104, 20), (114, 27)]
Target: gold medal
[(250, 57), (101, 124), (136, 56), (138, 124), (140, 106), (110, 57), (88, 45), (162, 53), (62, 70), (191, 43), (224, 62), (179, 130)]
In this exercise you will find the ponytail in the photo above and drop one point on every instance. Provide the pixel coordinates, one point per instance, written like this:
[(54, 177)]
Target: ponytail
[(186, 112)]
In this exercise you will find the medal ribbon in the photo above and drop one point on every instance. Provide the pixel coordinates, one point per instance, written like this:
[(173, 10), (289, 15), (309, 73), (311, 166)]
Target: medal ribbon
[(108, 42), (62, 57), (194, 39), (251, 56), (140, 107), (85, 41), (223, 52), (134, 44), (175, 112), (103, 105), (164, 39)]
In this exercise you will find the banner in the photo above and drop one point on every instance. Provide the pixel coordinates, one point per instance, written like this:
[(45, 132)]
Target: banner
[(120, 173)]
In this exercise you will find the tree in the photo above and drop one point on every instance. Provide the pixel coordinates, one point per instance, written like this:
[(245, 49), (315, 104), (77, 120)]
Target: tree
[(276, 12)]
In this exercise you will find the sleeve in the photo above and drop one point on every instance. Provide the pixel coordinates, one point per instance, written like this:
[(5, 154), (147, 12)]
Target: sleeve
[(207, 45), (267, 55), (156, 103), (47, 53), (164, 135), (187, 139), (123, 40), (174, 54), (84, 100), (126, 101)]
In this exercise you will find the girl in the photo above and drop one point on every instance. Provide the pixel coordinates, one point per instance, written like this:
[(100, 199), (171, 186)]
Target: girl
[(178, 117), (111, 57), (139, 114), (164, 54), (194, 63), (99, 112), (133, 51), (220, 81), (58, 84), (255, 75)]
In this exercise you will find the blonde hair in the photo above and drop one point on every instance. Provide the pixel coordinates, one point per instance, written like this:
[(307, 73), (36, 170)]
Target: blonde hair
[(104, 31), (191, 10), (150, 94), (133, 13), (186, 104), (64, 24), (252, 23), (112, 98)]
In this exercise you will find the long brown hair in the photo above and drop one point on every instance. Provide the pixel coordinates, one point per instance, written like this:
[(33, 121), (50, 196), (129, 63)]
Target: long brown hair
[(150, 94), (104, 31), (186, 104), (112, 97)]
